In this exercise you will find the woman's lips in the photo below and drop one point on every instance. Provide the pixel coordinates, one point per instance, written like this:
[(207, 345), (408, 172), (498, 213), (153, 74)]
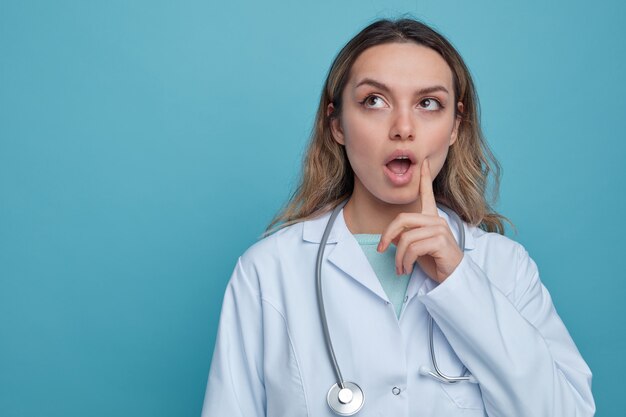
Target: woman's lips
[(401, 153)]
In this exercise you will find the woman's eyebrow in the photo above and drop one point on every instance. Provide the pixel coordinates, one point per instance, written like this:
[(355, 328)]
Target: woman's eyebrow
[(382, 86)]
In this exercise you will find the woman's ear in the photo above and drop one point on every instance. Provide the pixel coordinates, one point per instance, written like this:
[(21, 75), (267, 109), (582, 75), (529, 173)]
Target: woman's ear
[(457, 122), (335, 124)]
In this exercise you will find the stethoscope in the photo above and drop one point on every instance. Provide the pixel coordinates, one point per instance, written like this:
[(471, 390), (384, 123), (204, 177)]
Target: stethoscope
[(346, 398)]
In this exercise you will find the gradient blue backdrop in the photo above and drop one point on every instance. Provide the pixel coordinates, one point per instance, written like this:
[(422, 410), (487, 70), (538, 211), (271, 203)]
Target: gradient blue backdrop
[(144, 145)]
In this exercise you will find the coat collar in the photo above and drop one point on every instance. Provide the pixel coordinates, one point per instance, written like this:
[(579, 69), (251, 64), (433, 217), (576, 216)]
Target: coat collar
[(347, 255), (313, 229)]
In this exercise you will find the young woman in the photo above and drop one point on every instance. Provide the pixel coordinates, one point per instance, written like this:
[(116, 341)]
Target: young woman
[(389, 288)]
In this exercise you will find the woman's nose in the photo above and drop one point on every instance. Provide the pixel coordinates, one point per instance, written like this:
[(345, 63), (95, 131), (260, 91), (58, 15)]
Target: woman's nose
[(403, 125)]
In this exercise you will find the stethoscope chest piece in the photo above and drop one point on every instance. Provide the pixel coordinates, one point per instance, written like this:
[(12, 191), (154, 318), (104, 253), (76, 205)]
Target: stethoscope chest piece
[(346, 401)]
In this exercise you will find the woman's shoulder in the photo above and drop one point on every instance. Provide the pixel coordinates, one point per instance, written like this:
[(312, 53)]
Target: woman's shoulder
[(493, 242), (504, 260), (270, 247), (264, 264)]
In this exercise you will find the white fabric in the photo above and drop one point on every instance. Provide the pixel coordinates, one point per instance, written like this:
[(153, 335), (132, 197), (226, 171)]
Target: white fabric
[(492, 314)]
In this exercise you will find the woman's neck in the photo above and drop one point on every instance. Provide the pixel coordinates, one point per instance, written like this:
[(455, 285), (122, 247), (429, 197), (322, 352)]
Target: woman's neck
[(365, 214)]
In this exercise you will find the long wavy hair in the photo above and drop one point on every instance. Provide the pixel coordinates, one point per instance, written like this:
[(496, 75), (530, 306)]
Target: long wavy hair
[(327, 177)]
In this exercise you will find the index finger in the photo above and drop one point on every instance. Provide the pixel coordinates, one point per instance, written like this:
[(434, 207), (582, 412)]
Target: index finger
[(427, 197), (403, 222)]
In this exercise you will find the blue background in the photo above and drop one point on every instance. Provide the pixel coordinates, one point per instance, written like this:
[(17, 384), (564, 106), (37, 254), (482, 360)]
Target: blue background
[(144, 145)]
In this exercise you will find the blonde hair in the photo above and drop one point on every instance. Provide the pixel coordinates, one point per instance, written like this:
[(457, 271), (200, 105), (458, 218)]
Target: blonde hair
[(327, 177)]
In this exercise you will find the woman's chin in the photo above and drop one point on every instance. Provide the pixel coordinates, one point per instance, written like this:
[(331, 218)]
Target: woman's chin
[(401, 199)]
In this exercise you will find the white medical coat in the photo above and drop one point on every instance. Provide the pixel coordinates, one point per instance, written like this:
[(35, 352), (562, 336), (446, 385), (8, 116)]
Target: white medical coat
[(492, 314)]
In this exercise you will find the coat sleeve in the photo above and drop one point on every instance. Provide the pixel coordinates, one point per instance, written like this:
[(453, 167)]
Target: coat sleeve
[(235, 386), (516, 347)]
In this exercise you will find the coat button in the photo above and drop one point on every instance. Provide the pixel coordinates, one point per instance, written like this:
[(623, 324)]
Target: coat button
[(396, 391)]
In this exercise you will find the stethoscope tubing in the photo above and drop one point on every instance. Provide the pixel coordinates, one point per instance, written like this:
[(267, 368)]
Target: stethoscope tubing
[(320, 298), (342, 387)]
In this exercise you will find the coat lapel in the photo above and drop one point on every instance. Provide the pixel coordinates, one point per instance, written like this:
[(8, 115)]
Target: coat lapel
[(348, 256), (343, 251)]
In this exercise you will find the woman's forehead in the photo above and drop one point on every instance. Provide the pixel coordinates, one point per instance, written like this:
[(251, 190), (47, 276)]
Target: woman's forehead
[(401, 65)]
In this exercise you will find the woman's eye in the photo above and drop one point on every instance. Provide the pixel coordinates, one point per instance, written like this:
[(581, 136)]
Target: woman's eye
[(431, 104), (370, 101)]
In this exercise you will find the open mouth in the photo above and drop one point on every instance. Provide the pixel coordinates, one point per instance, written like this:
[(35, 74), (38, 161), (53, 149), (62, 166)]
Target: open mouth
[(399, 165)]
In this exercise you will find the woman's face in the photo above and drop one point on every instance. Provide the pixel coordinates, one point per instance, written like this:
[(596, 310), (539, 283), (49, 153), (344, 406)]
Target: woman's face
[(398, 110)]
